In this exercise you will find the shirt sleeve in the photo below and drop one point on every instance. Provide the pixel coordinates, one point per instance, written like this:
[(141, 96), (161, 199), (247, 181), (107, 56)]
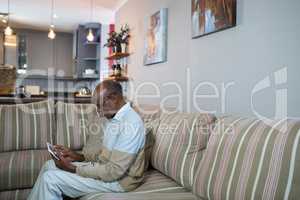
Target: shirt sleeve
[(128, 144), (93, 147)]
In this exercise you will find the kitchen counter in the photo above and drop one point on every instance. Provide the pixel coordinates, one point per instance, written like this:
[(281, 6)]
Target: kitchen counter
[(17, 100)]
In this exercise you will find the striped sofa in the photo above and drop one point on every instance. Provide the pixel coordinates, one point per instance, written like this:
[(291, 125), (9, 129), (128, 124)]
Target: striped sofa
[(192, 155)]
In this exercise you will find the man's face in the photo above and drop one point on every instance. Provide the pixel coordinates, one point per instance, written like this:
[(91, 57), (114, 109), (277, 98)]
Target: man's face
[(106, 104)]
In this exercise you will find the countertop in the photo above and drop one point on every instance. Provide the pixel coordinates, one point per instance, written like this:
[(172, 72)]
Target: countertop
[(9, 99)]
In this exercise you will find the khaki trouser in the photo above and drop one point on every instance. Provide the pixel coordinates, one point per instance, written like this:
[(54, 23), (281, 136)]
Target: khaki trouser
[(52, 183)]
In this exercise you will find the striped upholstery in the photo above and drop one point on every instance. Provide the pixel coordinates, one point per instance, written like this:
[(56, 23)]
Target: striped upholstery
[(15, 194), (148, 113), (134, 196), (74, 123), (150, 116), (179, 142), (248, 159), (26, 126), (155, 181), (20, 169), (155, 185)]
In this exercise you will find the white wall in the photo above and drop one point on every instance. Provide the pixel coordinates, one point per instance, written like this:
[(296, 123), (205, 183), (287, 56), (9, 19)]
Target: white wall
[(266, 39)]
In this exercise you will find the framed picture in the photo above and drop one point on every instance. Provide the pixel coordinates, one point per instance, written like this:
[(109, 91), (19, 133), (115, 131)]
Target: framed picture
[(156, 38), (209, 16)]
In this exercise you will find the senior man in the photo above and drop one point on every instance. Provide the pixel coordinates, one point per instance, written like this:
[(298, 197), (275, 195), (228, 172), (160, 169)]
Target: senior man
[(119, 166)]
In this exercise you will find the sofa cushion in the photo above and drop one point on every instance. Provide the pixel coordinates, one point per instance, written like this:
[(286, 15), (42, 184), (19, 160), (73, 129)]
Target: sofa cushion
[(15, 194), (138, 196), (179, 144), (20, 169), (26, 126), (249, 159), (74, 123), (154, 183), (148, 113)]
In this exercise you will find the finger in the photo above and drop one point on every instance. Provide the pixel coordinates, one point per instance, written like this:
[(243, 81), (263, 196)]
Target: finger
[(59, 147), (65, 160), (53, 158), (61, 157), (66, 152)]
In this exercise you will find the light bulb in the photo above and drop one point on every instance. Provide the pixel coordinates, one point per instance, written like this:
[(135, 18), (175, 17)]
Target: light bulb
[(90, 37), (4, 21), (8, 31), (51, 34)]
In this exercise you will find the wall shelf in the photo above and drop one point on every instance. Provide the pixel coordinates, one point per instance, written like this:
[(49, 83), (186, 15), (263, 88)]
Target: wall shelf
[(118, 78), (91, 59), (45, 77), (91, 43), (118, 56)]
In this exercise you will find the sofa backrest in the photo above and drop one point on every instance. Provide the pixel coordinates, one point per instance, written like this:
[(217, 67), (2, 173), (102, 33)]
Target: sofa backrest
[(179, 143), (74, 123), (26, 126), (150, 115), (249, 159)]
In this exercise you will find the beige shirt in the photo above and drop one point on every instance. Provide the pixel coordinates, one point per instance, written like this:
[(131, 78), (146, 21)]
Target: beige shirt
[(120, 156)]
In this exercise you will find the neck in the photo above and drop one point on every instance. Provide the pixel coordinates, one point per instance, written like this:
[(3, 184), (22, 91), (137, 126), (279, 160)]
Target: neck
[(120, 104)]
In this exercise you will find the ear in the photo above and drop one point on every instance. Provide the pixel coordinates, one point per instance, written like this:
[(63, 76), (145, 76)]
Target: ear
[(112, 97)]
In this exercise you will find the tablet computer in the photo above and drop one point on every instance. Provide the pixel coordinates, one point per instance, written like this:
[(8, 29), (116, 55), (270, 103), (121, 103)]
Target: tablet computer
[(51, 151)]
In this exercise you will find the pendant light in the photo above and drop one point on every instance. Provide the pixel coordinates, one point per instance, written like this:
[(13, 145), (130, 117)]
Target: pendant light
[(90, 36), (51, 34), (8, 31)]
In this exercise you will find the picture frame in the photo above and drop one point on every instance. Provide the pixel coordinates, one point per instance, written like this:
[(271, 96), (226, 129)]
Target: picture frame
[(211, 16), (155, 50)]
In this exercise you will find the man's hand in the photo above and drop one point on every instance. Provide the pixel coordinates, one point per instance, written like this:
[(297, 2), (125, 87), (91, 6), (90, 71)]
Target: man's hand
[(64, 164), (68, 154)]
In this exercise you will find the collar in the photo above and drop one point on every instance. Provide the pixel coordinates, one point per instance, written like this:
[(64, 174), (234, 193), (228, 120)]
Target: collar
[(122, 112)]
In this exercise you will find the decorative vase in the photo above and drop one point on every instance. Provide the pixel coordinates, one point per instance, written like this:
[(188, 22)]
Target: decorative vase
[(118, 70), (119, 48), (114, 49), (113, 67), (124, 47)]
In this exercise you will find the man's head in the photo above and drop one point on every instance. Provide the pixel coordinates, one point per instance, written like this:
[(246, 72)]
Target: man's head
[(108, 97)]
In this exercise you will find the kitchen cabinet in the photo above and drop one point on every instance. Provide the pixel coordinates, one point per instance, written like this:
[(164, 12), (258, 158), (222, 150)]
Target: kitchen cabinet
[(34, 51), (87, 53)]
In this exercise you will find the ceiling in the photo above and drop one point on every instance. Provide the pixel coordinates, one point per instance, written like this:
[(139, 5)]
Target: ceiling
[(36, 14)]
